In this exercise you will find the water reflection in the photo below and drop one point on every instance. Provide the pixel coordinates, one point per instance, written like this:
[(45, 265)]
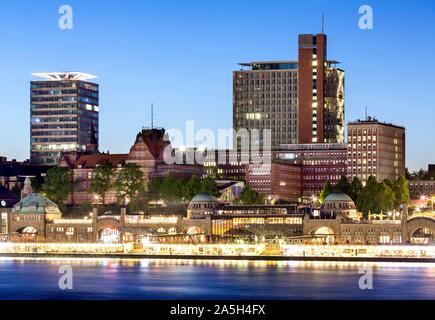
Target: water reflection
[(210, 279)]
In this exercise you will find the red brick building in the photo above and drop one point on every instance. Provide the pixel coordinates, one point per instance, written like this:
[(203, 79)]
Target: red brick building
[(147, 152), (320, 93), (319, 163), (278, 180), (286, 181)]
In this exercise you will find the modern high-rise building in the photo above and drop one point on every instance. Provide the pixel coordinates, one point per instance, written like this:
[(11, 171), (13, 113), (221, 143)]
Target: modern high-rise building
[(265, 97), (299, 101), (64, 115), (375, 149), (320, 93)]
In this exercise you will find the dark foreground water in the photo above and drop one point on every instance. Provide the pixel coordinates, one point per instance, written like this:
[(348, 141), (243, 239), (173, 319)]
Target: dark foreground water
[(183, 279)]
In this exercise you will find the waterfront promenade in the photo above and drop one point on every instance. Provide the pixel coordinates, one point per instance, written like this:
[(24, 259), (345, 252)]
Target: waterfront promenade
[(253, 252)]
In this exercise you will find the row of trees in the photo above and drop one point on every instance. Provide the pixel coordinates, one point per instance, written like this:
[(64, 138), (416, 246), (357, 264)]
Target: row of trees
[(352, 189), (172, 188), (249, 196), (420, 175), (374, 197), (129, 184)]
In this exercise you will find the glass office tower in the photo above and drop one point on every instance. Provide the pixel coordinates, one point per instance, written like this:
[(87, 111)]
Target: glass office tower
[(64, 115)]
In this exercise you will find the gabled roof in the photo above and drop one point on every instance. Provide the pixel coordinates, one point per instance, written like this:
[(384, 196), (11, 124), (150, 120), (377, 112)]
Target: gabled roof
[(36, 203), (92, 160), (154, 140)]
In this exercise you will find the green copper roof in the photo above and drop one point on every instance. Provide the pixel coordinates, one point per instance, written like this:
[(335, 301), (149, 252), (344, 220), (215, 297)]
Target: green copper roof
[(36, 203), (204, 197), (338, 197)]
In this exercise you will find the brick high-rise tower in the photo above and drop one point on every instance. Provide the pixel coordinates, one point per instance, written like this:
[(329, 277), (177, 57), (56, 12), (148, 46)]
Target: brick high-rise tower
[(320, 93)]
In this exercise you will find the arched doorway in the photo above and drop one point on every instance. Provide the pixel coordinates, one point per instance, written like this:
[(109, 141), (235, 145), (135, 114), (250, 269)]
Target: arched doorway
[(195, 234), (326, 233), (28, 234), (194, 231), (422, 236), (109, 235)]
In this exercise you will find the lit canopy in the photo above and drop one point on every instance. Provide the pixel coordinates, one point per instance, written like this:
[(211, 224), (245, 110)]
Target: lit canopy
[(65, 76)]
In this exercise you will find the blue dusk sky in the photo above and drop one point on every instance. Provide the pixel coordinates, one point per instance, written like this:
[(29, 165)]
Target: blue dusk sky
[(180, 54)]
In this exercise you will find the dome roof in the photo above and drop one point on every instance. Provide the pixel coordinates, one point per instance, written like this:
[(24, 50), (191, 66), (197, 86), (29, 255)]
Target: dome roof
[(204, 197), (338, 197), (36, 203)]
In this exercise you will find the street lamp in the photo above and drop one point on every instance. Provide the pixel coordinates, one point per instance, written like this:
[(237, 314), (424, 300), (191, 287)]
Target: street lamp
[(96, 197)]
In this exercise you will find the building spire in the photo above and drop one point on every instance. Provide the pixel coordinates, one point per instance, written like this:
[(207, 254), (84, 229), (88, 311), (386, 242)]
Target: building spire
[(323, 23), (152, 115), (27, 189)]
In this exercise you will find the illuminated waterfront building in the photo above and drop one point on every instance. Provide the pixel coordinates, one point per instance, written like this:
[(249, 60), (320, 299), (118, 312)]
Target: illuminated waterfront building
[(37, 219), (64, 115)]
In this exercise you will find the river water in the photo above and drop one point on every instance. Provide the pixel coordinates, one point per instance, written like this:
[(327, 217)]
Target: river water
[(187, 279)]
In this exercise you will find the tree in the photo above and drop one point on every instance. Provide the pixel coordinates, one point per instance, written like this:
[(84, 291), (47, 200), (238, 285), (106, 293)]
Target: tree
[(101, 181), (171, 188), (343, 186), (408, 174), (375, 197), (385, 198), (355, 188), (249, 196), (208, 185), (37, 184), (401, 192), (57, 184), (191, 188), (389, 183), (327, 190), (129, 181), (365, 200), (419, 175), (155, 188)]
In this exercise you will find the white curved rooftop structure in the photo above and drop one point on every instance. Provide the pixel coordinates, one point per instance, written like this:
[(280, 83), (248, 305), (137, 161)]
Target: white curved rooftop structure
[(65, 76)]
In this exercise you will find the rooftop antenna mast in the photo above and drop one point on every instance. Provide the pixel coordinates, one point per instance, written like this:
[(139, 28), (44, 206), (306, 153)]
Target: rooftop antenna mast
[(152, 115), (323, 23), (367, 117)]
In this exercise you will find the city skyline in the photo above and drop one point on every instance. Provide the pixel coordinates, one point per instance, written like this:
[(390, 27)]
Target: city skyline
[(150, 66)]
